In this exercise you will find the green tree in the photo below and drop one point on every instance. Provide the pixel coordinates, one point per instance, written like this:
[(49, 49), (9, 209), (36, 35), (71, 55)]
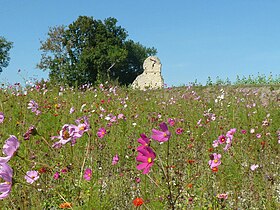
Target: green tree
[(90, 50), (5, 47)]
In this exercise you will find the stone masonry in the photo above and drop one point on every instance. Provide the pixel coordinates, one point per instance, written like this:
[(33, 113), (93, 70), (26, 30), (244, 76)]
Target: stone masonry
[(151, 77)]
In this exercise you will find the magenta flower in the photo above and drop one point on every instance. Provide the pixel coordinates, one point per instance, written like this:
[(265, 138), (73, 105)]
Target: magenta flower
[(2, 117), (146, 156), (115, 160), (215, 160), (101, 132), (144, 140), (163, 135), (10, 147), (179, 131), (56, 175), (223, 196), (6, 174), (31, 176), (171, 122), (88, 174), (222, 139), (83, 125)]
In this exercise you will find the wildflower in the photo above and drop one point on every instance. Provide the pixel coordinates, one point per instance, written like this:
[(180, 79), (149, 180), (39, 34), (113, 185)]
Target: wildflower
[(31, 176), (215, 160), (10, 147), (230, 133), (254, 167), (215, 169), (223, 196), (258, 135), (34, 107), (137, 179), (138, 202), (2, 117), (6, 174), (72, 110), (146, 156), (31, 131), (252, 130), (115, 160), (101, 132), (83, 125), (144, 140), (65, 205), (56, 175), (222, 139), (66, 134), (163, 135), (215, 143), (88, 174), (179, 131), (171, 122), (243, 131)]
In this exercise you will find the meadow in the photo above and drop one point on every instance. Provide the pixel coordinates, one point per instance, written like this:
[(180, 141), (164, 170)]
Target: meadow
[(107, 147)]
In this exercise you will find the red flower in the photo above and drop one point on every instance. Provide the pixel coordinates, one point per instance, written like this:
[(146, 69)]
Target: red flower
[(138, 202)]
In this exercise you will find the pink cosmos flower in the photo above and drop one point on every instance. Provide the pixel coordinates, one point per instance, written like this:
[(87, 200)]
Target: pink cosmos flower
[(115, 160), (67, 133), (83, 125), (222, 196), (10, 147), (215, 160), (231, 132), (171, 122), (215, 143), (2, 117), (146, 156), (34, 107), (222, 139), (6, 174), (258, 135), (179, 131), (88, 174), (101, 132), (31, 176), (163, 135), (144, 140), (56, 175)]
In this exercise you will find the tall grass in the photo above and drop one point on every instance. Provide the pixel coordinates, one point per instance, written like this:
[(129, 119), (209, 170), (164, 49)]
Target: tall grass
[(180, 178)]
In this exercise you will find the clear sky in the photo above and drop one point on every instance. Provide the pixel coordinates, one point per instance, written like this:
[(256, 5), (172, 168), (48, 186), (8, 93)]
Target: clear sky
[(194, 38)]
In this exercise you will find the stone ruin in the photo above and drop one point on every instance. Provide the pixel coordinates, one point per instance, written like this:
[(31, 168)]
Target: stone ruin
[(151, 77)]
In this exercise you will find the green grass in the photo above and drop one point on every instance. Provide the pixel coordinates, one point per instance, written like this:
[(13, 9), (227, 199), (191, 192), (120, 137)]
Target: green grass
[(180, 178)]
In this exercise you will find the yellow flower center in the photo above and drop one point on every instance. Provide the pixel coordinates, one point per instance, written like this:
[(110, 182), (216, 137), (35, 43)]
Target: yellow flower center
[(65, 135), (149, 160), (216, 161)]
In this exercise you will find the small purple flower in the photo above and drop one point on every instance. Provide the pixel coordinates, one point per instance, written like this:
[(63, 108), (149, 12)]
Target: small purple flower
[(72, 110), (31, 176), (163, 135), (67, 133), (6, 174), (2, 117), (146, 156), (115, 159), (171, 122), (88, 174)]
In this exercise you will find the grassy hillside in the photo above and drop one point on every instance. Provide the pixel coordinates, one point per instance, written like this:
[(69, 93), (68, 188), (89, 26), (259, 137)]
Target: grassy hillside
[(222, 152)]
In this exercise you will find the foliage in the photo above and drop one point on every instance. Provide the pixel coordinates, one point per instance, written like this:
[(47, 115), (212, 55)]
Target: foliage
[(90, 51), (5, 47), (180, 178)]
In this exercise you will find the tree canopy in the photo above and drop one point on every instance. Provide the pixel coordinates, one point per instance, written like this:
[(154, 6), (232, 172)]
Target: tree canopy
[(90, 50), (5, 47)]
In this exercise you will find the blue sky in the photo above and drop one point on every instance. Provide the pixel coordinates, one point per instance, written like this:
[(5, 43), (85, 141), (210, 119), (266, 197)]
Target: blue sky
[(194, 38)]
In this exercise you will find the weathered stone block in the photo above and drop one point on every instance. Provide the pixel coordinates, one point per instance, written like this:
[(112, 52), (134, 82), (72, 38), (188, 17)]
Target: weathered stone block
[(151, 77)]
